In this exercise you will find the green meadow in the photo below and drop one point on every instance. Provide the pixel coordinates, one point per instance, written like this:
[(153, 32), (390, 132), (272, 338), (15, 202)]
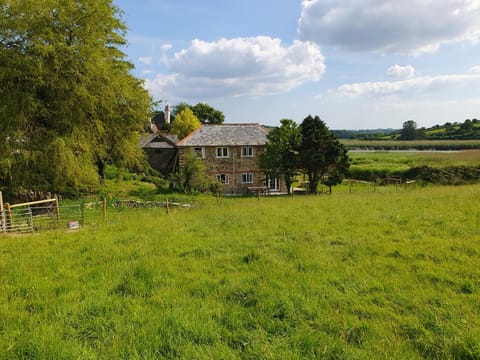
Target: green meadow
[(391, 274), (367, 164)]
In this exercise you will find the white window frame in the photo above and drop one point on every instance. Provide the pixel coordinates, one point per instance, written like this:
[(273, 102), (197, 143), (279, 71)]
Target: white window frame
[(199, 151), (222, 152), (247, 151), (247, 178), (222, 178), (273, 184)]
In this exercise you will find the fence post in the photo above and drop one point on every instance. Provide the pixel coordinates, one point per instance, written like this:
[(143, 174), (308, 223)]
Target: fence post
[(57, 208), (82, 212), (2, 215), (104, 209), (8, 216), (167, 205)]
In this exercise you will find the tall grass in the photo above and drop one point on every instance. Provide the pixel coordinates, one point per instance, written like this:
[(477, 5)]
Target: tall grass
[(368, 275)]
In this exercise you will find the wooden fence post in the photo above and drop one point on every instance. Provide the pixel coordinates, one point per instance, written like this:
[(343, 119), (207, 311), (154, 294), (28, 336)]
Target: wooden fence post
[(167, 205), (57, 208), (8, 216), (2, 215), (104, 209), (82, 212)]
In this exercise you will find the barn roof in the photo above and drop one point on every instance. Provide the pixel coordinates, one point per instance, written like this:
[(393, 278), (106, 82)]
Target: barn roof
[(158, 141), (227, 135)]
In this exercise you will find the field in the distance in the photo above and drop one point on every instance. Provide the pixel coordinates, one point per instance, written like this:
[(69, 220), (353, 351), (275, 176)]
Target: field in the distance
[(385, 275), (398, 161)]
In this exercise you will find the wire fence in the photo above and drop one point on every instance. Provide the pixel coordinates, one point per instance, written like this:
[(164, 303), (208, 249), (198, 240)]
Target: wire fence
[(18, 219), (30, 219)]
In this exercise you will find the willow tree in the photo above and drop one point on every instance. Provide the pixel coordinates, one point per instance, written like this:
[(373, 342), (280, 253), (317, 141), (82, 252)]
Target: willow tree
[(68, 102)]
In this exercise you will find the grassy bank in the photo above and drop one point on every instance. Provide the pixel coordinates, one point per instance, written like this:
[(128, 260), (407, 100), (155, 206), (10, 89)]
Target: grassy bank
[(380, 164), (414, 144), (367, 275)]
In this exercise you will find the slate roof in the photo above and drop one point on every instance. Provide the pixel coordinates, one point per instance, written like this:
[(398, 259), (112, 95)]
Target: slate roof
[(227, 135), (158, 141)]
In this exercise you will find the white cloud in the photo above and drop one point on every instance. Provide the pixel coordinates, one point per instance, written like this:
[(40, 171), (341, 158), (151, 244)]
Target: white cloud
[(407, 26), (401, 71), (422, 83), (238, 67), (475, 69), (145, 60)]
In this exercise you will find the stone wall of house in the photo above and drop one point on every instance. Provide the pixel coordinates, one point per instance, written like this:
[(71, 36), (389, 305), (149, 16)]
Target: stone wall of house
[(233, 169)]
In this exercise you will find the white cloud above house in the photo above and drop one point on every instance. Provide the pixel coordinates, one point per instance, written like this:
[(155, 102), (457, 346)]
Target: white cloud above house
[(399, 71), (416, 84), (250, 66), (405, 27)]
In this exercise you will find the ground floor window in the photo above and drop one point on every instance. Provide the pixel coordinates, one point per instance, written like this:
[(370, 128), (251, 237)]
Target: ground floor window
[(247, 178), (222, 178), (273, 184)]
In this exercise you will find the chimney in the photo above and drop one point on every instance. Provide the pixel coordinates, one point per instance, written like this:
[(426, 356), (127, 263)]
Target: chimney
[(167, 114)]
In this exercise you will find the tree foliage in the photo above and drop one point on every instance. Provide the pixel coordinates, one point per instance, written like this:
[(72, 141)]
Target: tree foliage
[(281, 153), (409, 130), (204, 112), (185, 122), (193, 175), (322, 157), (66, 90), (207, 114)]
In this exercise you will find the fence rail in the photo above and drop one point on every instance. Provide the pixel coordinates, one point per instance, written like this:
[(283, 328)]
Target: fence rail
[(48, 214)]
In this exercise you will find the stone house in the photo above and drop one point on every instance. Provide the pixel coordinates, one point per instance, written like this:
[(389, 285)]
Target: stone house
[(231, 155)]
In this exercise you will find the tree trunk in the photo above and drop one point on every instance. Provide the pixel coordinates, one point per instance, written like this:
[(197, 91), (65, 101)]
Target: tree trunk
[(101, 171), (313, 179)]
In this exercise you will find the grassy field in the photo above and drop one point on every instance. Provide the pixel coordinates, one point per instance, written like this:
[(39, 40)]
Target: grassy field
[(384, 275), (414, 144), (391, 162)]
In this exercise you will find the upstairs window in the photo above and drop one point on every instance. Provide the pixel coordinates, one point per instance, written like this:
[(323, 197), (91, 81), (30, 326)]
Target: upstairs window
[(222, 152), (200, 152), (247, 151)]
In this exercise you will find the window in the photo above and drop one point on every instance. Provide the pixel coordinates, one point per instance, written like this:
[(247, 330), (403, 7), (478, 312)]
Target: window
[(247, 178), (273, 184), (200, 152), (222, 178), (247, 151), (222, 152)]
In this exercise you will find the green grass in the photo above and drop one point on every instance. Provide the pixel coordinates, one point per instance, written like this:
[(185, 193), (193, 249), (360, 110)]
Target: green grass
[(414, 144), (387, 275), (385, 163)]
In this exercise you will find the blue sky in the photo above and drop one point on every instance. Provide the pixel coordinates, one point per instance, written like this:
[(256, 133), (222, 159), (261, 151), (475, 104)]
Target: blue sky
[(358, 64)]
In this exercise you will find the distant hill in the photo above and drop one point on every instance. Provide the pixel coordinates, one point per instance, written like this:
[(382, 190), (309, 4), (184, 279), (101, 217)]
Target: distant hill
[(366, 134), (467, 130)]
